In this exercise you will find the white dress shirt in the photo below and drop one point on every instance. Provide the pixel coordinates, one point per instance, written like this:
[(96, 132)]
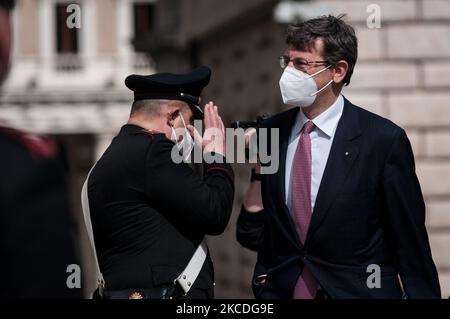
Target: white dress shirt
[(321, 140)]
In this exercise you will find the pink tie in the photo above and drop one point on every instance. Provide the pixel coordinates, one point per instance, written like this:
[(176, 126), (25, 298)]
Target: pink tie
[(306, 286)]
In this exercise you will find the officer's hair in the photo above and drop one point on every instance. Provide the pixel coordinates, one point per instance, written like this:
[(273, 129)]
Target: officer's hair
[(153, 108)]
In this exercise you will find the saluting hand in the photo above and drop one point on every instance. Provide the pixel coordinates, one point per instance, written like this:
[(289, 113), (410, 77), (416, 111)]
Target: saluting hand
[(213, 139)]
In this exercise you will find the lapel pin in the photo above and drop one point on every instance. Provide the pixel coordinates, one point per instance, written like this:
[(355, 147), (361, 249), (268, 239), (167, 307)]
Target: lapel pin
[(347, 153)]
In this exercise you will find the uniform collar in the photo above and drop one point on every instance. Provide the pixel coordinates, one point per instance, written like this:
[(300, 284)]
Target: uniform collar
[(326, 121), (131, 128)]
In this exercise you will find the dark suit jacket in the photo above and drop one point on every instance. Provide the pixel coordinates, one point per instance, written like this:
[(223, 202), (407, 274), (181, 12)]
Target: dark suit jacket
[(150, 214), (369, 210)]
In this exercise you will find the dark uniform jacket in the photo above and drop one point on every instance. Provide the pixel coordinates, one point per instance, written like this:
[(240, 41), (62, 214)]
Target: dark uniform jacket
[(369, 210), (150, 214)]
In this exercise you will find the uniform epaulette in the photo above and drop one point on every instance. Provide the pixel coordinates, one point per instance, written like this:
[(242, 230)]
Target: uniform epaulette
[(40, 147), (148, 133)]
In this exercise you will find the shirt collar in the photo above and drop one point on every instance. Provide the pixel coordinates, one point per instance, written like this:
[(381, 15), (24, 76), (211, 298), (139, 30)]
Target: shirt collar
[(326, 122)]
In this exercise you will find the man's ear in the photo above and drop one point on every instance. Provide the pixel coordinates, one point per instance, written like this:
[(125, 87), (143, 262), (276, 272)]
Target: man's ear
[(172, 114), (340, 71)]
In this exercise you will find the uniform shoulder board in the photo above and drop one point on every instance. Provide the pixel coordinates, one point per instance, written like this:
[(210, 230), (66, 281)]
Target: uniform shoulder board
[(151, 134), (40, 147)]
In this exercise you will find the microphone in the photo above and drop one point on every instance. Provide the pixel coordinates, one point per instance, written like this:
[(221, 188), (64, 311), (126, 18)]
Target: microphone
[(249, 124)]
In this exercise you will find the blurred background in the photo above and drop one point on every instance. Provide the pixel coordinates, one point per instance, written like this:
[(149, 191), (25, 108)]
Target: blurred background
[(68, 83)]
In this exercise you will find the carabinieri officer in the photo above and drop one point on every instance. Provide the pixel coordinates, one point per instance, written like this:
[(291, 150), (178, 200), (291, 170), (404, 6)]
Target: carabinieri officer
[(149, 214)]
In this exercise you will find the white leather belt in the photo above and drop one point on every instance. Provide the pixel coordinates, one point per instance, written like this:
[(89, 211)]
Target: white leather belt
[(185, 280)]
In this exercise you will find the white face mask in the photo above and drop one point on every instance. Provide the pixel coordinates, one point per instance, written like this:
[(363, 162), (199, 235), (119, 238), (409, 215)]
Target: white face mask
[(299, 88), (187, 143)]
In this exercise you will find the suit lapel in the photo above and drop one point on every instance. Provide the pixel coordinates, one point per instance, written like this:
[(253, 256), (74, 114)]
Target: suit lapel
[(344, 151), (285, 132), (285, 126)]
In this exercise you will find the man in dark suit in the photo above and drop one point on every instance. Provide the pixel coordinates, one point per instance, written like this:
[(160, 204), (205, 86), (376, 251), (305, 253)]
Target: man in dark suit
[(346, 199), (150, 213)]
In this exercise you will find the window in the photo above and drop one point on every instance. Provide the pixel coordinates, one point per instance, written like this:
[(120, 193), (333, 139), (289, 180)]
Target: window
[(144, 18), (66, 39)]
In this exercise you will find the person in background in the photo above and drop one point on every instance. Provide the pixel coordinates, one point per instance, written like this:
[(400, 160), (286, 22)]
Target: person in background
[(36, 229)]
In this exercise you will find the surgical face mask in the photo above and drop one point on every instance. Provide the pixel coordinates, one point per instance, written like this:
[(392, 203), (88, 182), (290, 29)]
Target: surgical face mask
[(299, 88), (187, 143)]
